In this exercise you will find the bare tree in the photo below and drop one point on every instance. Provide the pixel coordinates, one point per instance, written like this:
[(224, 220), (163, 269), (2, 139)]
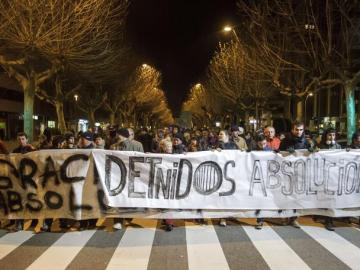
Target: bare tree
[(312, 45), (40, 38)]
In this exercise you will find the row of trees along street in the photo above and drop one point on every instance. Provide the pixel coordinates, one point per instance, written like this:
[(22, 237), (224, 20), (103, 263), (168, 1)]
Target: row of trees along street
[(287, 48), (56, 48)]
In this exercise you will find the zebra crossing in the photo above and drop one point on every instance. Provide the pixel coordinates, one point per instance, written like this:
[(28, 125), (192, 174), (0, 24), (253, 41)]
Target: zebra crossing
[(144, 245)]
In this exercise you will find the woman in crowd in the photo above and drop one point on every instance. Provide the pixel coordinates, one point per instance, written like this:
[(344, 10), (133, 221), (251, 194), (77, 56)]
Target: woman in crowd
[(166, 147), (328, 141), (225, 144)]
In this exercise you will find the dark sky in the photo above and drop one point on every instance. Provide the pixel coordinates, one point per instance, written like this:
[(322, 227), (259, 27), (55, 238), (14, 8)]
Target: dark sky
[(178, 37)]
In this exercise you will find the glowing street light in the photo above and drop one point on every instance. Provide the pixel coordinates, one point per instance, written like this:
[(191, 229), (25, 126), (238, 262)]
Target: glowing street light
[(76, 97), (145, 65), (227, 28), (198, 85)]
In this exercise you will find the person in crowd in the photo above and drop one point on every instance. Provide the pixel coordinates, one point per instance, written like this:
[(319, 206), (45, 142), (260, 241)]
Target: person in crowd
[(58, 142), (99, 141), (224, 141), (3, 149), (111, 137), (262, 144), (272, 141), (139, 146), (175, 130), (212, 139), (44, 143), (145, 139), (237, 139), (250, 142), (187, 137), (203, 140), (194, 145), (69, 141), (124, 144), (355, 140), (225, 144), (310, 139), (328, 141), (87, 142), (296, 140), (23, 148), (178, 146), (155, 145), (166, 147)]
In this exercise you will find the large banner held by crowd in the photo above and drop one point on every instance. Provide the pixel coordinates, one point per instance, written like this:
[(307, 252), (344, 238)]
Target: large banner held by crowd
[(92, 183)]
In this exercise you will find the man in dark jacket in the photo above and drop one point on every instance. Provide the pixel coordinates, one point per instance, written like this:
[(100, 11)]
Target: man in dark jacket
[(296, 140), (23, 148)]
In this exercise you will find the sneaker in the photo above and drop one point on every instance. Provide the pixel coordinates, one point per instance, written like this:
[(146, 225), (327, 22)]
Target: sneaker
[(45, 228), (259, 225), (329, 226), (222, 222), (294, 223), (168, 227), (117, 226)]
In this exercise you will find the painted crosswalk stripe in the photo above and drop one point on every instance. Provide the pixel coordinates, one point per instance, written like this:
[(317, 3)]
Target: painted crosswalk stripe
[(204, 249), (337, 245), (63, 251), (100, 246), (29, 251), (169, 249), (239, 251), (11, 241), (133, 251), (309, 250), (277, 254)]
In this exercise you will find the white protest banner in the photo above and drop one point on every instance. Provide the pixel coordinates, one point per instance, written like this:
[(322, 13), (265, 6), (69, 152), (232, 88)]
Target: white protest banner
[(89, 183), (231, 180)]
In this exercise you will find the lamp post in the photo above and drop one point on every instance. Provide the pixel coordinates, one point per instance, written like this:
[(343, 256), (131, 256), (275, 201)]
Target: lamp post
[(308, 95), (228, 29)]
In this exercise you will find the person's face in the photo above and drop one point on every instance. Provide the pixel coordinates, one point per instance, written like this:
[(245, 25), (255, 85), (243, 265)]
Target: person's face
[(176, 141), (298, 131), (205, 133), (168, 148), (330, 136), (236, 134), (262, 144), (71, 140), (357, 141), (98, 141), (269, 133), (175, 130), (194, 142), (131, 133), (22, 140), (223, 137)]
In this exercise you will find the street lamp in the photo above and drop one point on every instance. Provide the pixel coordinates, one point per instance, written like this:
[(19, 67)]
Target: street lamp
[(227, 28), (308, 95), (76, 97)]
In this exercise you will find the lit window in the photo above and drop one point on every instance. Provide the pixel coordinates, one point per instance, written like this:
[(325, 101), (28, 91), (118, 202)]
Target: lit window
[(51, 124)]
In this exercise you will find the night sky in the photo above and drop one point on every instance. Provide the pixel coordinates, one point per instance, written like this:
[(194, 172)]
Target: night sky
[(178, 37)]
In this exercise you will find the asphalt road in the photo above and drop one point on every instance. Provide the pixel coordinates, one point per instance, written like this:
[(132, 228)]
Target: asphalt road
[(145, 245)]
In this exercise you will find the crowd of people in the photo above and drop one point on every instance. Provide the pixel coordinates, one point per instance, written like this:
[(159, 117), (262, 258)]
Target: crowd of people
[(174, 140)]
